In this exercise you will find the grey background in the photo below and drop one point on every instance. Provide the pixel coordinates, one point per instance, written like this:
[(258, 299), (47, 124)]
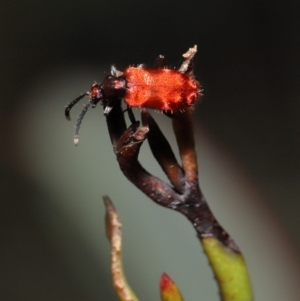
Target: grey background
[(53, 245)]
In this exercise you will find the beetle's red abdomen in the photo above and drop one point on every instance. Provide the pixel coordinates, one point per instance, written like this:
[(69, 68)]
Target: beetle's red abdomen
[(160, 89)]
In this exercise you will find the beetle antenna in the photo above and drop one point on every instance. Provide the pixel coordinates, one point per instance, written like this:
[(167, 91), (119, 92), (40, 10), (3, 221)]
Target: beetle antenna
[(78, 123), (72, 103), (130, 114)]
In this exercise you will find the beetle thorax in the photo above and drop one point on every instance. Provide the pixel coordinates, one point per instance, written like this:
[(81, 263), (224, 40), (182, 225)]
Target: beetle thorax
[(113, 87)]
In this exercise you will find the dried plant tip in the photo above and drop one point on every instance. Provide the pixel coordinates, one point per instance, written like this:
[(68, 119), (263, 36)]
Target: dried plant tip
[(114, 235), (141, 133), (190, 53), (110, 216), (186, 66), (132, 138)]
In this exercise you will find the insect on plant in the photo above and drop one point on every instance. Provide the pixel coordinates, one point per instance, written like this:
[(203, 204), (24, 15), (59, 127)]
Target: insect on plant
[(172, 92), (159, 88)]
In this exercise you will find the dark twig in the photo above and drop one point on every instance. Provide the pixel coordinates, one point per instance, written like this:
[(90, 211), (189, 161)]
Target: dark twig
[(163, 153), (183, 129), (190, 201), (127, 152)]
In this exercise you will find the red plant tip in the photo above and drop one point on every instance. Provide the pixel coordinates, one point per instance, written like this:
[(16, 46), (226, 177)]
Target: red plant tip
[(168, 289), (166, 282)]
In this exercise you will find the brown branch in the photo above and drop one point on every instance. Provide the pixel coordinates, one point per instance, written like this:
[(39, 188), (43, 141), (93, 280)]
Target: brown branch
[(163, 153), (190, 201), (183, 129), (127, 152)]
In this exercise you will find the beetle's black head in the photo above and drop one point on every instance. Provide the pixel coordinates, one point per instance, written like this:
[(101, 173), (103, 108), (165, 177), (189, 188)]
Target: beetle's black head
[(112, 88)]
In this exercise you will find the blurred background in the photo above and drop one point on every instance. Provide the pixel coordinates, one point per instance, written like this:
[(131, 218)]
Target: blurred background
[(52, 237)]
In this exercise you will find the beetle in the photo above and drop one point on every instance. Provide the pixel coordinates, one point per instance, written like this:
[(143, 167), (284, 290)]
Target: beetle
[(160, 88)]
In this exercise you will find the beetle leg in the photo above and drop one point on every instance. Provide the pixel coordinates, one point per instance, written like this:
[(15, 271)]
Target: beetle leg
[(109, 106), (160, 62), (169, 114), (115, 72), (130, 114)]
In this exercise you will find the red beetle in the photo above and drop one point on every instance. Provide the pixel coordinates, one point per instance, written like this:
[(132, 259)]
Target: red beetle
[(160, 88)]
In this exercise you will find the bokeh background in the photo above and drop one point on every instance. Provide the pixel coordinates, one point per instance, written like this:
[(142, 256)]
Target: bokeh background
[(52, 237)]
